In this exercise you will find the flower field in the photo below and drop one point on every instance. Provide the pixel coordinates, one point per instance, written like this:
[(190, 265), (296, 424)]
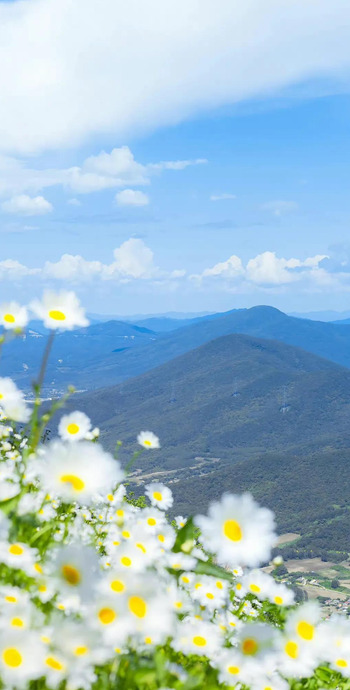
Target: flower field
[(101, 590)]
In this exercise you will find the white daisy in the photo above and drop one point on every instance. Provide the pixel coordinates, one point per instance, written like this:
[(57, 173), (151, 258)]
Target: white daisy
[(238, 530), (159, 495), (21, 657), (148, 440), (18, 555), (13, 315), (12, 401), (197, 637), (75, 568), (74, 426), (77, 472), (60, 310)]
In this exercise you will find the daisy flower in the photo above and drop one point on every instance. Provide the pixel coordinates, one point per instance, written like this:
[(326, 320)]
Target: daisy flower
[(13, 315), (77, 472), (60, 310), (21, 657), (180, 521), (12, 401), (197, 637), (148, 611), (74, 426), (238, 530), (303, 624), (148, 440), (75, 568), (159, 495), (18, 555)]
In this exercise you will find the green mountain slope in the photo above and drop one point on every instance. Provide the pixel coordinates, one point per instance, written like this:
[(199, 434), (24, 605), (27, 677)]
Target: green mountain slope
[(324, 339), (240, 413)]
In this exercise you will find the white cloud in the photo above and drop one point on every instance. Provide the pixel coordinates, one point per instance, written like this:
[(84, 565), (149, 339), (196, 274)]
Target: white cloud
[(176, 165), (74, 202), (134, 259), (131, 197), (84, 67), (265, 269), (13, 270), (134, 262), (280, 208), (24, 205), (222, 197), (104, 171)]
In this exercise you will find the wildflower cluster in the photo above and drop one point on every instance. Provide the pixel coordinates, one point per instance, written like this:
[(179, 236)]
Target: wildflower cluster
[(98, 590)]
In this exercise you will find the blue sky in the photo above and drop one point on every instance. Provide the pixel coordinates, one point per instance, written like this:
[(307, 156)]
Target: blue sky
[(251, 207)]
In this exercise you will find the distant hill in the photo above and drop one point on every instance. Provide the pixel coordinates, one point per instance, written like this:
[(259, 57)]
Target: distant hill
[(72, 351), (242, 413), (325, 339), (112, 352)]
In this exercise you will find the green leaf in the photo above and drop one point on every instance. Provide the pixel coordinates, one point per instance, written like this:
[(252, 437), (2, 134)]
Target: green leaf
[(10, 504), (185, 537), (204, 568)]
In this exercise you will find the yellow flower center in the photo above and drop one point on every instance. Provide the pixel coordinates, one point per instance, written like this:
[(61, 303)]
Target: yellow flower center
[(278, 600), (138, 606), (126, 534), (11, 600), (185, 579), (147, 443), (219, 585), (110, 497), (161, 538), (119, 512), (249, 646), (9, 318), (148, 640), (233, 670), (73, 428), (80, 651), (76, 483), (305, 630), (38, 568), (291, 649), (151, 522), (107, 616), (210, 595), (17, 622), (11, 657), (117, 586), (142, 548), (126, 561), (57, 315), (232, 530), (157, 496), (199, 641), (54, 663), (16, 550), (255, 589), (71, 574), (341, 663)]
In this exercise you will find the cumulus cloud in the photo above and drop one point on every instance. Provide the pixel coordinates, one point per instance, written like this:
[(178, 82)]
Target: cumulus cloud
[(24, 205), (236, 53), (131, 197), (263, 269), (96, 173), (222, 197), (280, 208), (134, 262)]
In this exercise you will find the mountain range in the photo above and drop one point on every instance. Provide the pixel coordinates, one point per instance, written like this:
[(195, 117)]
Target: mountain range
[(108, 353), (242, 413)]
